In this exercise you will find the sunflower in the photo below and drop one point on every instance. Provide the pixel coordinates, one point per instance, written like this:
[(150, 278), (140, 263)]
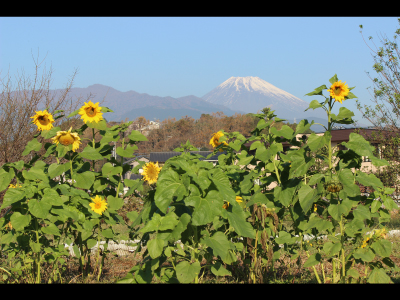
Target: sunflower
[(339, 90), (150, 172), (43, 120), (67, 138), (99, 205), (238, 200), (215, 140), (11, 186), (91, 112)]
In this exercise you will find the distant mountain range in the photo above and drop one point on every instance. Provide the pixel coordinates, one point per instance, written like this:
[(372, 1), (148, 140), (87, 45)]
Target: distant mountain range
[(132, 104), (235, 95)]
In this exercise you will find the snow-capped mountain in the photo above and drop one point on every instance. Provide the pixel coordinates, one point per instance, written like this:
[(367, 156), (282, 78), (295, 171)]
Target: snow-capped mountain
[(251, 94)]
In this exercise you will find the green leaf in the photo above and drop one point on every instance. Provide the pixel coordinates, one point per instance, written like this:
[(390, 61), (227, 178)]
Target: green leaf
[(382, 247), (186, 272), (107, 233), (74, 113), (219, 270), (91, 153), (32, 145), (220, 245), (38, 208), (127, 152), (167, 184), (346, 178), (318, 90), (221, 181), (12, 196), (284, 238), (237, 220), (314, 104), (115, 203), (136, 136), (362, 212), (303, 125), (333, 79), (5, 178), (51, 229), (109, 170), (312, 260), (332, 249), (307, 195), (34, 174), (369, 180), (57, 169), (19, 221), (379, 275), (336, 210), (364, 254), (84, 180), (155, 247), (101, 125), (316, 142), (35, 246), (47, 134), (285, 132)]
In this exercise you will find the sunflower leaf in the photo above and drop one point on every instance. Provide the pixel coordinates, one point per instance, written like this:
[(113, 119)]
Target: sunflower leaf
[(33, 145), (74, 113)]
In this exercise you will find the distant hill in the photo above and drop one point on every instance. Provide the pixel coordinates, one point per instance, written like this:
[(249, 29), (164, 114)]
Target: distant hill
[(132, 104)]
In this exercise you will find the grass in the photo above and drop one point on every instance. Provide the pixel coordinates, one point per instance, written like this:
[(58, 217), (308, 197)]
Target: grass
[(116, 268)]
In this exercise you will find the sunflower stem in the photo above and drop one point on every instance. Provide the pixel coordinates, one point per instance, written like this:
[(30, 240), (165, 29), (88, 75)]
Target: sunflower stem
[(93, 143)]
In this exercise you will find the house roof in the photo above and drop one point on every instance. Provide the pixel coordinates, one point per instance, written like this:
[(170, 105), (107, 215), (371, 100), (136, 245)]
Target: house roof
[(164, 156)]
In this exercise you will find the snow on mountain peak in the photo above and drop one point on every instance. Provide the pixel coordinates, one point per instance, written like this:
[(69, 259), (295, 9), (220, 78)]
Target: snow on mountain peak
[(253, 83)]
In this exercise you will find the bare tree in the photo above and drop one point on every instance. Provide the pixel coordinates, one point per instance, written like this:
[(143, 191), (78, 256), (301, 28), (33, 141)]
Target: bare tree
[(20, 98)]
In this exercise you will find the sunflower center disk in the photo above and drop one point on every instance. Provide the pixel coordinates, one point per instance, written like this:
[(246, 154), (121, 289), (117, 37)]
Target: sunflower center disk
[(90, 111), (97, 205), (66, 139), (44, 120), (337, 91)]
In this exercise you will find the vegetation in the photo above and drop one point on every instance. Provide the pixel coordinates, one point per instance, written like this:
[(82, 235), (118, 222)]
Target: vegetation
[(305, 219)]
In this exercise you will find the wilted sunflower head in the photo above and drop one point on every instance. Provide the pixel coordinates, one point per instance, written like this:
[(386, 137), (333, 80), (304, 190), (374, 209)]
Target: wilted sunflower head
[(150, 172), (215, 140), (91, 112), (99, 205), (43, 120), (67, 138), (339, 90)]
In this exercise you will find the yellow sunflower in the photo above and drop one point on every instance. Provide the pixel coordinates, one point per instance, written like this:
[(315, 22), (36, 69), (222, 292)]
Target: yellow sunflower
[(150, 172), (67, 138), (11, 186), (339, 90), (91, 112), (215, 140), (43, 120), (238, 200), (99, 205)]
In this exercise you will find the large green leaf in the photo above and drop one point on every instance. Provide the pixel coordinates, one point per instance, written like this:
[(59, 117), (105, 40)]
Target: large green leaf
[(32, 145), (84, 180), (91, 153), (318, 90), (38, 208), (186, 272), (369, 180), (57, 169), (51, 229), (346, 178), (137, 136), (336, 210), (237, 220), (35, 174), (220, 245), (379, 275), (19, 221), (219, 270), (332, 249), (307, 196), (382, 247), (127, 152), (155, 247), (315, 142), (313, 260), (115, 203), (109, 170), (221, 181), (285, 132), (365, 254), (5, 178), (362, 212), (12, 196), (168, 183)]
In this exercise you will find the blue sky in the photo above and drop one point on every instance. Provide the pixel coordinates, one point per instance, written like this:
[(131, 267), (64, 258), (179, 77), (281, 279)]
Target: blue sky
[(180, 56)]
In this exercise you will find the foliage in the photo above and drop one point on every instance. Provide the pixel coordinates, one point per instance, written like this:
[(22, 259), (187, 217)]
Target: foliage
[(198, 217)]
